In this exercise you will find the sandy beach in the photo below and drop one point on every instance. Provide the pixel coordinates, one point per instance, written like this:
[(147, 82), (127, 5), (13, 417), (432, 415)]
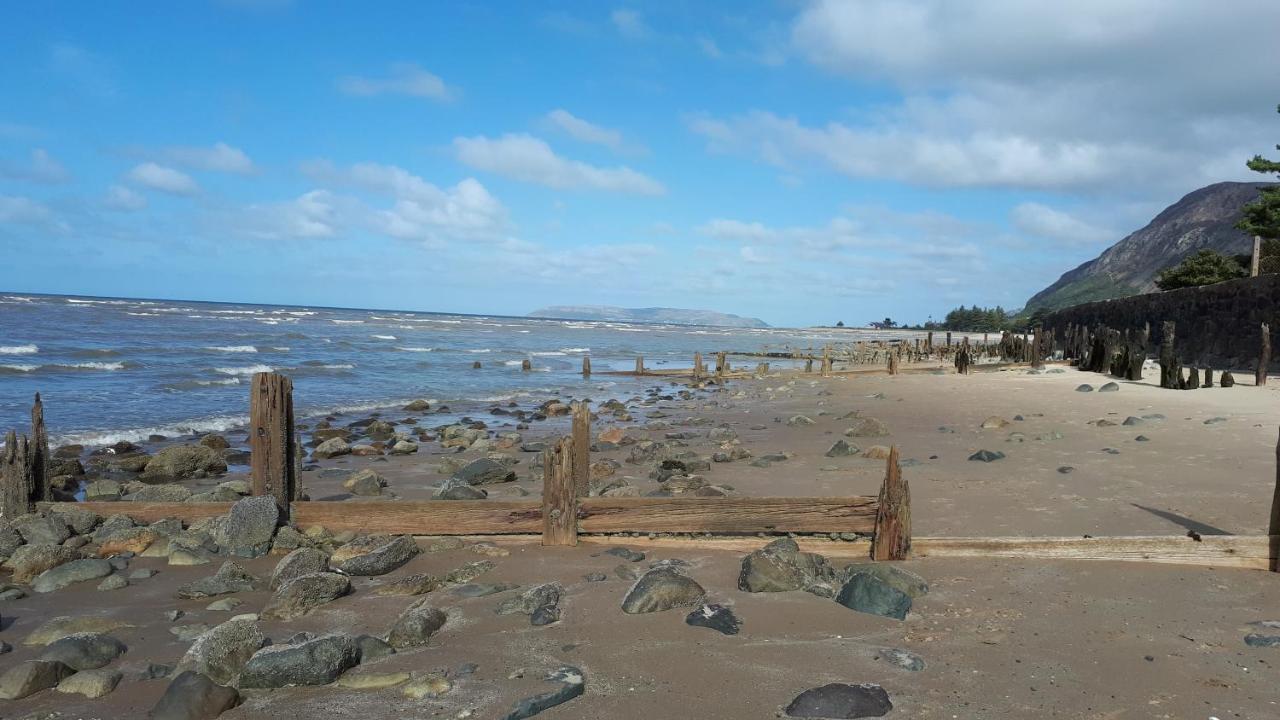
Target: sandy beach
[(999, 638)]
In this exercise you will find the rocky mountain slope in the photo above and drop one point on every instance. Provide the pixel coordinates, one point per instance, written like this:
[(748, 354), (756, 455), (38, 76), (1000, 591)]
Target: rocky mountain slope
[(1202, 219), (675, 316)]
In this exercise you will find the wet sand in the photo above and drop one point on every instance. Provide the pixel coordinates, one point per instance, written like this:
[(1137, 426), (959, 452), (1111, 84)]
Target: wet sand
[(1000, 638)]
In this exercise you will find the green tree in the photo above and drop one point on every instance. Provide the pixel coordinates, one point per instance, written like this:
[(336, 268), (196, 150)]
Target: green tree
[(1262, 217), (1204, 268)]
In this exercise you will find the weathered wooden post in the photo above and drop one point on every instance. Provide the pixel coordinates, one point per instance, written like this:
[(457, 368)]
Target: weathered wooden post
[(15, 477), (1193, 379), (826, 361), (928, 342), (808, 365), (697, 366), (40, 488), (1273, 527), (1170, 372), (475, 365), (948, 338), (892, 540), (1037, 355), (559, 500), (271, 439), (1255, 263), (1208, 377), (1264, 356), (581, 461), (586, 366), (526, 365), (893, 364)]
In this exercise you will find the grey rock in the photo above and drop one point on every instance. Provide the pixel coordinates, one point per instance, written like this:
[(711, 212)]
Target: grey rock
[(1131, 421), (180, 462), (415, 626), (313, 662), (42, 530), (840, 700), (250, 527), (1109, 387), (1066, 469), (625, 553), (475, 590), (717, 617), (305, 593), (71, 572), (385, 556), (331, 448), (1256, 640), (365, 482), (531, 600), (841, 448), (987, 456), (870, 594), (31, 677), (81, 521), (91, 683), (662, 589), (903, 659), (781, 567), (1084, 388), (113, 582), (297, 563), (193, 696), (485, 471), (230, 578), (867, 427), (222, 652), (595, 577), (84, 651), (372, 648), (572, 684), (29, 561)]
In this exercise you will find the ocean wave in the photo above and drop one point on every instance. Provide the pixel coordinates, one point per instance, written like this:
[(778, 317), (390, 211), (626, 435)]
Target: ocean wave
[(244, 370), (416, 349), (551, 353), (383, 337), (575, 350), (335, 321), (480, 350), (19, 349), (232, 348), (56, 367), (11, 368), (95, 438), (196, 384)]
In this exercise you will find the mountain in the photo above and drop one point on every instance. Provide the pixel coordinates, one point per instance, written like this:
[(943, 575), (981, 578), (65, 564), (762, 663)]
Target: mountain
[(1203, 219), (675, 316)]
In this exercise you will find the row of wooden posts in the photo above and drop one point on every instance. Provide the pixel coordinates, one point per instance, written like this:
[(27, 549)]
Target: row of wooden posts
[(1122, 354), (565, 509)]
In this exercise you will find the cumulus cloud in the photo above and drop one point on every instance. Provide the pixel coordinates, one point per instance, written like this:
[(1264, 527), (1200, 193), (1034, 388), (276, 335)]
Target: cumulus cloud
[(220, 157), (310, 216), (584, 131), (529, 159), (40, 167), (838, 233), (122, 198), (162, 178), (629, 23), (1045, 222), (21, 210), (404, 79)]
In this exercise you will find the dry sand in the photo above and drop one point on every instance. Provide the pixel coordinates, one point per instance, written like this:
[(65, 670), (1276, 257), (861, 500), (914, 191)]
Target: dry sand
[(1000, 638)]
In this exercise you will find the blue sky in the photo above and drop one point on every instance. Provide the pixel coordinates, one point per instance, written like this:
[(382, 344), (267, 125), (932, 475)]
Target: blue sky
[(802, 162)]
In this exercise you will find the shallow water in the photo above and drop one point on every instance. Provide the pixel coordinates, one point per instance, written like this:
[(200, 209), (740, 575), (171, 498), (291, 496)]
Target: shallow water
[(117, 369)]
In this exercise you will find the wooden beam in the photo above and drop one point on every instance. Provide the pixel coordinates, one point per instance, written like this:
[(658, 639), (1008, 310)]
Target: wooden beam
[(149, 512), (893, 514), (726, 515), (1240, 551), (272, 450), (421, 517), (559, 498), (581, 461)]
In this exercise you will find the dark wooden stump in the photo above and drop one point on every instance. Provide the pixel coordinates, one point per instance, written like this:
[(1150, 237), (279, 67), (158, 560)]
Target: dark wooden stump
[(893, 516), (1193, 380), (272, 446), (1264, 357), (1208, 377), (15, 476), (1170, 370), (581, 436), (586, 366), (559, 499), (40, 489), (1228, 380)]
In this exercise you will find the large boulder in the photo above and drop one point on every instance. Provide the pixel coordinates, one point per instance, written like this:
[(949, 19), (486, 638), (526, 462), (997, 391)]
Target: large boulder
[(63, 626), (10, 540), (842, 701), (867, 427), (364, 482), (222, 652), (91, 683), (331, 448), (29, 561), (81, 521), (781, 567), (183, 462), (661, 589), (302, 561), (485, 471), (84, 651), (31, 677), (249, 527), (415, 625), (192, 696), (230, 578), (572, 684), (71, 572), (134, 539), (303, 594), (311, 662), (868, 593), (374, 554), (42, 530)]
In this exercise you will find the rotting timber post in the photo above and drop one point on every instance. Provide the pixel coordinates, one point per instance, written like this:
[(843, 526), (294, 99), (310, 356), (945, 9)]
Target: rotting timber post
[(892, 540), (1264, 357), (559, 499), (15, 476), (581, 435), (271, 439)]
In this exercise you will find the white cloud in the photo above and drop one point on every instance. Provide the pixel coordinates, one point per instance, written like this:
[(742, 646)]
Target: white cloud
[(629, 23), (312, 215), (218, 158), (164, 179), (838, 233), (709, 48), (528, 159), (584, 131), (404, 79), (41, 167), (20, 210), (1045, 222), (122, 198)]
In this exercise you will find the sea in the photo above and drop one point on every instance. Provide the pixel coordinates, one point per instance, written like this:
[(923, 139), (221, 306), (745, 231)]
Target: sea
[(112, 369)]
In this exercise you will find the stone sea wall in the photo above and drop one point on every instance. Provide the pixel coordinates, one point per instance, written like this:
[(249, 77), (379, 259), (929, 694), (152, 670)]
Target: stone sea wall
[(1217, 325)]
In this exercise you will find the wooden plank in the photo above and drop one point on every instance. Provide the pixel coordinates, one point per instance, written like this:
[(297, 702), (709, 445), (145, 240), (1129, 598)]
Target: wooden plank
[(559, 497), (423, 517), (271, 438), (893, 514), (1241, 551), (581, 434), (151, 511), (726, 515)]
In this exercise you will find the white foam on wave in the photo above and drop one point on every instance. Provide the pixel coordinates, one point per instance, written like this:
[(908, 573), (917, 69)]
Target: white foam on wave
[(63, 366), (481, 350), (244, 370), (9, 367), (551, 353), (95, 438), (416, 349), (19, 349), (383, 337), (336, 321), (232, 348), (575, 350)]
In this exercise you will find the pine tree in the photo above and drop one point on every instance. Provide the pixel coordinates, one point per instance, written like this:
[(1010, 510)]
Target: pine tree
[(1262, 217)]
